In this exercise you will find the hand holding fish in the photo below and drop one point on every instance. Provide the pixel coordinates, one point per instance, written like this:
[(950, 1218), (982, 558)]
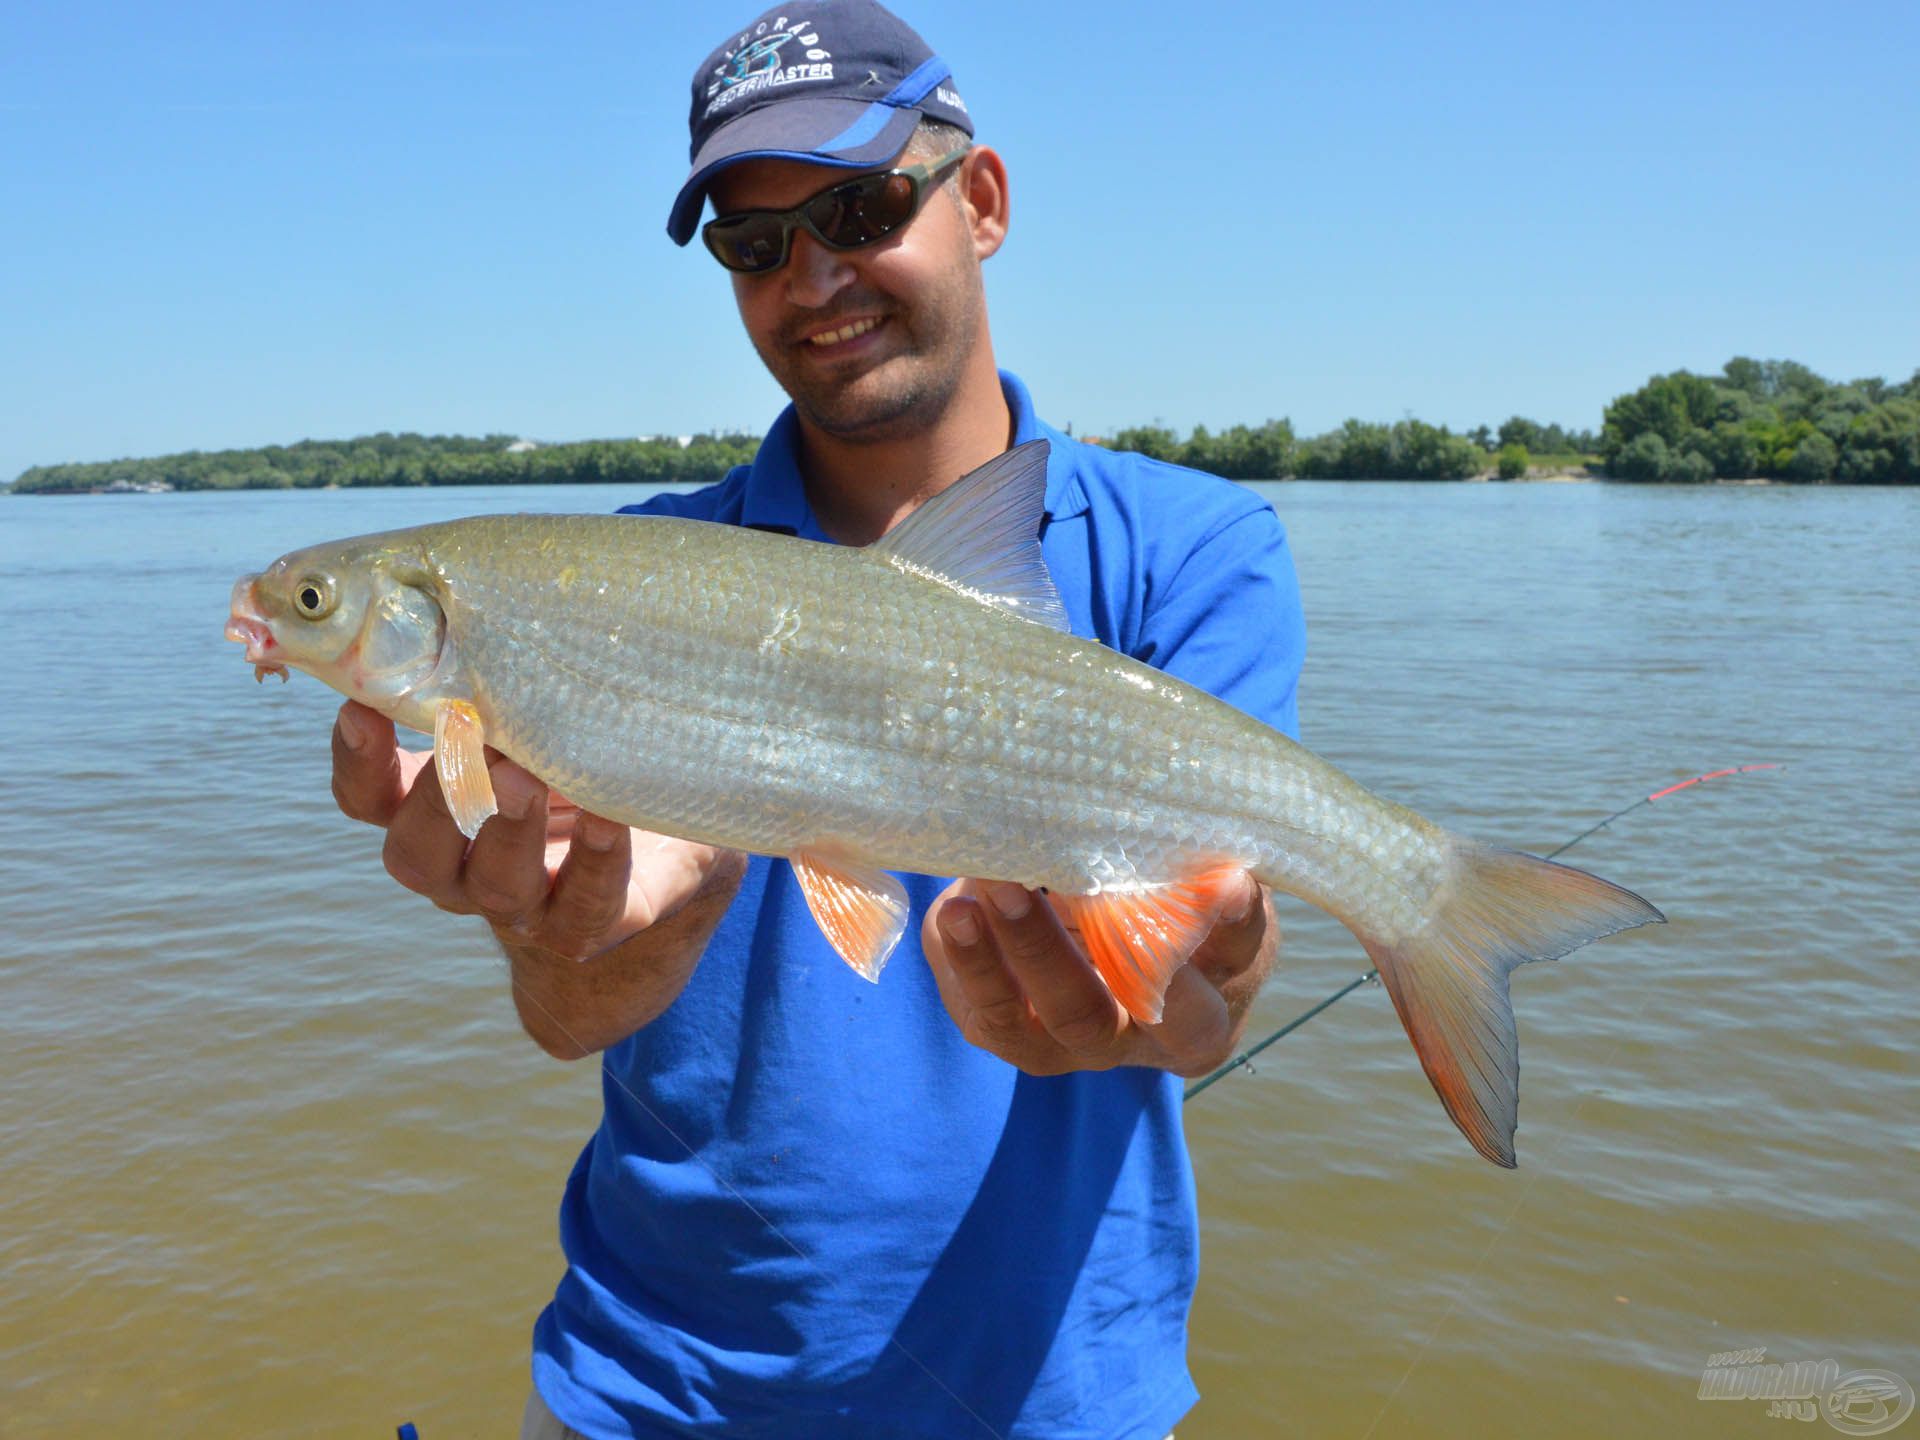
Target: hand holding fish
[(602, 924), (1019, 986)]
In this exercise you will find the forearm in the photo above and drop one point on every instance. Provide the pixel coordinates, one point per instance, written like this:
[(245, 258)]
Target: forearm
[(574, 1008)]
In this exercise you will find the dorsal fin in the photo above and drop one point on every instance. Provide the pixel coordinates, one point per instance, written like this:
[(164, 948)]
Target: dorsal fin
[(982, 535)]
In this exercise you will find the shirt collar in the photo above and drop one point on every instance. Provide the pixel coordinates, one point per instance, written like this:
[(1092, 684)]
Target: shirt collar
[(775, 497)]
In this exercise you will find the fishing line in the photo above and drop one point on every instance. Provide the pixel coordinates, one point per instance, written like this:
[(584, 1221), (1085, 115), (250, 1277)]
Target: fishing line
[(1373, 976), (1239, 1060), (1567, 1131)]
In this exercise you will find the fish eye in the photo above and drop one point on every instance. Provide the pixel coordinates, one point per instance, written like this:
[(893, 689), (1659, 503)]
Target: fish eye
[(313, 597)]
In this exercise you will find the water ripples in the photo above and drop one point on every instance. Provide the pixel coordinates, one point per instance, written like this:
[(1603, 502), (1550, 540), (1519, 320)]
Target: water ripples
[(280, 1162)]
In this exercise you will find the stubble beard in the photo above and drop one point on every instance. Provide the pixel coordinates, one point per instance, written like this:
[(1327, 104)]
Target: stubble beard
[(907, 391)]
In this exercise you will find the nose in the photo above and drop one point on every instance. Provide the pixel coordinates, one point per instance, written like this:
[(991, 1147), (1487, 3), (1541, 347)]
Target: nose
[(814, 273)]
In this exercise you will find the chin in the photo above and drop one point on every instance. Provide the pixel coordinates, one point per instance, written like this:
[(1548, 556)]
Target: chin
[(877, 405)]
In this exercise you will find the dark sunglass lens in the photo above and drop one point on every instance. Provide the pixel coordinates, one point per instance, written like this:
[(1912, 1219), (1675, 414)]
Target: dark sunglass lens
[(863, 210), (750, 243)]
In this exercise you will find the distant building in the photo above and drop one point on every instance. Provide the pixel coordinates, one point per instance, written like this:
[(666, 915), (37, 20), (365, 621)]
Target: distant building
[(521, 447)]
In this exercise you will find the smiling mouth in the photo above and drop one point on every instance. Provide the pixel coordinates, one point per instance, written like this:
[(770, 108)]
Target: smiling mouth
[(852, 330)]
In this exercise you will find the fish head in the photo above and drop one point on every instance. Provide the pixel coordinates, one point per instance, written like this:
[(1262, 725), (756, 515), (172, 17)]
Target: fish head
[(362, 615)]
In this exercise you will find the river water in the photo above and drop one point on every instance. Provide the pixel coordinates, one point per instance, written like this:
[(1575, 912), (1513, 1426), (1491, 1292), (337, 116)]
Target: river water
[(279, 1163)]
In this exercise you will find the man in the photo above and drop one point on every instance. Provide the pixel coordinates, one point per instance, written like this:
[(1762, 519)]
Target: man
[(957, 1204)]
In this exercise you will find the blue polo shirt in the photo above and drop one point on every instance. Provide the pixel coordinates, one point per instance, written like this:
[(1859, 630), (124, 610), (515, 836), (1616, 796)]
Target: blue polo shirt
[(812, 1209)]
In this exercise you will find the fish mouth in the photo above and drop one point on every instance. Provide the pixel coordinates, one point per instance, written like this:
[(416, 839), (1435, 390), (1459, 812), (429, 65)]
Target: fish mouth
[(250, 628)]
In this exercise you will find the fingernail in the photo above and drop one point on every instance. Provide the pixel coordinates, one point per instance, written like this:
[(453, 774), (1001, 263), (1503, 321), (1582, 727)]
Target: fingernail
[(513, 791), (1240, 905), (595, 833), (353, 730), (961, 926), (1010, 900)]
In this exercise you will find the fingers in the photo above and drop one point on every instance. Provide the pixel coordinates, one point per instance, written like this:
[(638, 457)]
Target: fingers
[(1069, 999), (424, 849), (591, 891), (1196, 1028), (1018, 986), (541, 870), (368, 783), (979, 990), (1240, 934), (505, 876), (1209, 999)]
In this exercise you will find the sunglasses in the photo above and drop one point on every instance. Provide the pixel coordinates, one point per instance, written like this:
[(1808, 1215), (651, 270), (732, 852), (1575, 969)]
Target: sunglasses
[(842, 217)]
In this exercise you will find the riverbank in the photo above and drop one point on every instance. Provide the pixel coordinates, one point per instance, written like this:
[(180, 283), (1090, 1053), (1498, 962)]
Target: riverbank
[(1560, 475)]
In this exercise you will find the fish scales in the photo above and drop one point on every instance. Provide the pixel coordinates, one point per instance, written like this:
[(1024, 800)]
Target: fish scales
[(895, 708), (766, 700)]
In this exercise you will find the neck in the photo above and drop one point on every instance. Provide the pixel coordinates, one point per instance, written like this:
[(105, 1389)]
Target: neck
[(860, 489)]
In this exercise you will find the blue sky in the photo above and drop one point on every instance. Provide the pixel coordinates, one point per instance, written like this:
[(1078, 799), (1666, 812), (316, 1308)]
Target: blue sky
[(239, 224)]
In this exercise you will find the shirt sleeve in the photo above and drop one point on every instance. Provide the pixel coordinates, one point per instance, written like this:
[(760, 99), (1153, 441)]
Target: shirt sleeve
[(1228, 619), (719, 501)]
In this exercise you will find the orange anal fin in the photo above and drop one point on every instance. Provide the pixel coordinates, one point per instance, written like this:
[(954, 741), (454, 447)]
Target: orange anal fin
[(460, 757), (861, 910), (1138, 938)]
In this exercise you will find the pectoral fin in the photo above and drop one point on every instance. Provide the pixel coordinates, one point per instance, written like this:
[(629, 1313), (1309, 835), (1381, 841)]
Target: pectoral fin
[(460, 757), (861, 910), (1137, 938)]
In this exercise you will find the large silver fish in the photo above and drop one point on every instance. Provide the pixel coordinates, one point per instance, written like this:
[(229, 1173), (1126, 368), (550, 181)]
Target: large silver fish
[(915, 705)]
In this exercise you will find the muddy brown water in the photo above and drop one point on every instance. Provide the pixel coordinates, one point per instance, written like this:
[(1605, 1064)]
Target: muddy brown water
[(279, 1163)]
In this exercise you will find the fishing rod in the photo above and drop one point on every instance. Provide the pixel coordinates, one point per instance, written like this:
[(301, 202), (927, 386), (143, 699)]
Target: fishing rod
[(1245, 1057)]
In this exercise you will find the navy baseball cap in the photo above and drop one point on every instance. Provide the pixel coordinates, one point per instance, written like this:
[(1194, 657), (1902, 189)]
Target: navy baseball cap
[(837, 82)]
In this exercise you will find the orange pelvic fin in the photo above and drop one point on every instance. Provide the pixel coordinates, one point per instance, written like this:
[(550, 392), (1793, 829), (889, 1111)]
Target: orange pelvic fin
[(460, 757), (1498, 910), (861, 910), (1138, 938)]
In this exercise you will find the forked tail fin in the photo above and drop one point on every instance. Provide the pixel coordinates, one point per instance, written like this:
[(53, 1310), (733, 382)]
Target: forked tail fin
[(1448, 979)]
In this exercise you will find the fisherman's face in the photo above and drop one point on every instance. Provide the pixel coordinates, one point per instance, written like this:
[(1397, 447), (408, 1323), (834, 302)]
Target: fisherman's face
[(914, 299)]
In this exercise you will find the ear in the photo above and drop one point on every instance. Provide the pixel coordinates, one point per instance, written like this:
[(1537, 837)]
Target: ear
[(984, 199)]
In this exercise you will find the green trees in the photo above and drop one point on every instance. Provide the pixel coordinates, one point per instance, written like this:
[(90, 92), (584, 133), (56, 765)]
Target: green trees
[(1769, 418), (1668, 406), (1540, 439), (1243, 452), (1156, 442), (387, 459), (1405, 450), (1645, 457)]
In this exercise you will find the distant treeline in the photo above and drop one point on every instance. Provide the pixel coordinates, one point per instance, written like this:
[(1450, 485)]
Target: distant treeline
[(1773, 419), (411, 460), (1358, 450), (1757, 419)]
